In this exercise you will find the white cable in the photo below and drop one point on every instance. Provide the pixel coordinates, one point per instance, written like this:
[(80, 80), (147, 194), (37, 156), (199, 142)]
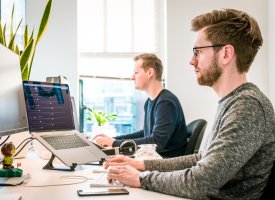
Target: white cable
[(83, 179)]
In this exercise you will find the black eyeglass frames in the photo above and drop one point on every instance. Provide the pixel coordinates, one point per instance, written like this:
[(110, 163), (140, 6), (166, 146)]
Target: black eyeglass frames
[(196, 52)]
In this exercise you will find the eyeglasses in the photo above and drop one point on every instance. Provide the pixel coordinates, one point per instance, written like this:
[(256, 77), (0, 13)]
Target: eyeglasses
[(196, 52)]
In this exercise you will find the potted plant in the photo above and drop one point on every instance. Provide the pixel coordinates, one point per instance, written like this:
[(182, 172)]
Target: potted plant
[(101, 121), (30, 42)]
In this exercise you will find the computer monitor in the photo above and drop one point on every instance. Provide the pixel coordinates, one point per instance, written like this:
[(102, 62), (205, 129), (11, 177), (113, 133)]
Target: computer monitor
[(13, 118)]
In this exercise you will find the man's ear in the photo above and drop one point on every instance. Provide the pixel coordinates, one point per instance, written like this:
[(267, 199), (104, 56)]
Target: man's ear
[(228, 54), (150, 72)]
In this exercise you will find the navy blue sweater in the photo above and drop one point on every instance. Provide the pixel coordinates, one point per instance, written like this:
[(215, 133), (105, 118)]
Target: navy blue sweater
[(164, 125)]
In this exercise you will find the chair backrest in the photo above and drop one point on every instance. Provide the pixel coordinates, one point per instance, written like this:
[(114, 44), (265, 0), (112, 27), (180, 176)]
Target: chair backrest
[(269, 192), (195, 130)]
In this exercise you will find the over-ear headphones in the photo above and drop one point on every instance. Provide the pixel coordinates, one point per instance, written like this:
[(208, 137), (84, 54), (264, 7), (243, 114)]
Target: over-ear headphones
[(128, 148)]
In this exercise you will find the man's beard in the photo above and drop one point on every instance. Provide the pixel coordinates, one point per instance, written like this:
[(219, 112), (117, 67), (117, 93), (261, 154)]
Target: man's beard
[(210, 76)]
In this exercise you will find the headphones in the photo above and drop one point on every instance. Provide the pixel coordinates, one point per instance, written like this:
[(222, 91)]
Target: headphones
[(128, 148)]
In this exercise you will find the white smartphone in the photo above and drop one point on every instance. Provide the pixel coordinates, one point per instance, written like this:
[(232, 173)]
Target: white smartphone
[(102, 191)]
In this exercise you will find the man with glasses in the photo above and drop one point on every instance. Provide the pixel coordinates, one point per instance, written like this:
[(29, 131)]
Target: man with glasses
[(238, 155)]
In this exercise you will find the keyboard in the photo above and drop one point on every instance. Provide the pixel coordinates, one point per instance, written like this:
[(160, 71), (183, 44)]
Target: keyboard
[(101, 181), (65, 141)]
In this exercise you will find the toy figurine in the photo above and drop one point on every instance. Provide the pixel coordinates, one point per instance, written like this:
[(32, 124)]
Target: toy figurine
[(8, 149)]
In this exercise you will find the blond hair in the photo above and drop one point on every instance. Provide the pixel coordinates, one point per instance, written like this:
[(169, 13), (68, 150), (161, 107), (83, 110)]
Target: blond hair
[(151, 61)]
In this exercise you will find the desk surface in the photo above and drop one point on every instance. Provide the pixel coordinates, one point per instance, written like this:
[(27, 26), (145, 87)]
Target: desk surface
[(39, 177)]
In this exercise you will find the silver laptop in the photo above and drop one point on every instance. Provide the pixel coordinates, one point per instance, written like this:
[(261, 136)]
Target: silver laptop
[(51, 122)]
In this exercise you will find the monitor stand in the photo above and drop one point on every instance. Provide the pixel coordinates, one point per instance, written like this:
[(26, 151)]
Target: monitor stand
[(50, 166)]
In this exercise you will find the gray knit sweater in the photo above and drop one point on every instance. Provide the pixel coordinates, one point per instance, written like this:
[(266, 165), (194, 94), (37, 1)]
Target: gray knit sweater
[(237, 158)]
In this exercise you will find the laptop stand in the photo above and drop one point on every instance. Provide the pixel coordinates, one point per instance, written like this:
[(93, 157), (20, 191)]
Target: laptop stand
[(50, 166)]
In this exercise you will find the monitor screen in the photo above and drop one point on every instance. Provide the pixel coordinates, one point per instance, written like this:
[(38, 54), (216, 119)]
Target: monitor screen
[(13, 118), (49, 106)]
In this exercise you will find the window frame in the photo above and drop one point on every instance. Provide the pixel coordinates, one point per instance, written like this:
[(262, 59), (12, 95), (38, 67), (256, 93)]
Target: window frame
[(159, 35)]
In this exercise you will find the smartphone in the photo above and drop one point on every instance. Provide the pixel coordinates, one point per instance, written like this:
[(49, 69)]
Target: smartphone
[(102, 191)]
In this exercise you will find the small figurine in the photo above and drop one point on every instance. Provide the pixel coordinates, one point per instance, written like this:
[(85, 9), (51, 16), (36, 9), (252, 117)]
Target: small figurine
[(8, 149)]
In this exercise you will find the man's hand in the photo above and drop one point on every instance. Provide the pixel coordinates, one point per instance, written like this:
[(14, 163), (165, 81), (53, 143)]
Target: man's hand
[(103, 140), (121, 160), (125, 174)]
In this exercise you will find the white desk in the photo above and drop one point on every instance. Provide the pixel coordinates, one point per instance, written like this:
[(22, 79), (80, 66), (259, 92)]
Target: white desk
[(33, 165)]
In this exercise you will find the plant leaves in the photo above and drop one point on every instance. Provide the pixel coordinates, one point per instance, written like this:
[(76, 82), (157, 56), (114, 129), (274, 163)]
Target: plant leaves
[(31, 36), (27, 55), (25, 37), (16, 50), (11, 24), (30, 66), (4, 34), (11, 44), (24, 58), (100, 117), (41, 31), (1, 35), (44, 21)]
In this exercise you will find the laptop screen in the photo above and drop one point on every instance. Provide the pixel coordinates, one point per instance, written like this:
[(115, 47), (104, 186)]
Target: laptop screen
[(48, 106)]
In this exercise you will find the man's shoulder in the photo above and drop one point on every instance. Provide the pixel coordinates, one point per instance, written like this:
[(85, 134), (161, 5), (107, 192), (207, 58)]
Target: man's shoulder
[(251, 93), (247, 93), (251, 100), (167, 94)]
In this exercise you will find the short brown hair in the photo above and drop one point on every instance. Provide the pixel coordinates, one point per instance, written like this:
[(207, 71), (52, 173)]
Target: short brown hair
[(151, 61), (230, 26)]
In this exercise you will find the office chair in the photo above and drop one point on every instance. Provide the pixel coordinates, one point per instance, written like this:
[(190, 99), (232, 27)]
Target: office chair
[(269, 192), (195, 130)]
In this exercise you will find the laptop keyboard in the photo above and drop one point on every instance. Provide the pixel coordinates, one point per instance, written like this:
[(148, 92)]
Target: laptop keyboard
[(65, 141)]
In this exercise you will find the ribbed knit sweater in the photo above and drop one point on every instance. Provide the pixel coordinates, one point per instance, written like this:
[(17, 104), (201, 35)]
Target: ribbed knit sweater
[(237, 158)]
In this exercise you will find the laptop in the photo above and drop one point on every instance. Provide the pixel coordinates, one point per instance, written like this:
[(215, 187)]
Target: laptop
[(51, 121)]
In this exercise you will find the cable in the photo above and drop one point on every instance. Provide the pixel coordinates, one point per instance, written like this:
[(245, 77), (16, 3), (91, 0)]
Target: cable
[(30, 139), (5, 140), (82, 178)]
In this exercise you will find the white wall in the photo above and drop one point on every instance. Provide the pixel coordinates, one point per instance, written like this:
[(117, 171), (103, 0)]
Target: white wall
[(56, 52), (199, 101)]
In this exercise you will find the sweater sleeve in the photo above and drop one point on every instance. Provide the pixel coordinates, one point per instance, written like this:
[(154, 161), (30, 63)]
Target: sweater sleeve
[(164, 125), (240, 135), (132, 136), (171, 164)]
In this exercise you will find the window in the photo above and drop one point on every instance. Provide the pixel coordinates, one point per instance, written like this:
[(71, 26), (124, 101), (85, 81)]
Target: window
[(110, 34), (19, 13)]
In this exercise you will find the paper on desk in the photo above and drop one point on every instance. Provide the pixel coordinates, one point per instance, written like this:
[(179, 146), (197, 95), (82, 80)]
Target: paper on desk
[(11, 196)]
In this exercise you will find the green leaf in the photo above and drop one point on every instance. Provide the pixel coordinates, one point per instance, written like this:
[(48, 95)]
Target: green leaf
[(29, 71), (30, 43), (1, 35), (26, 37), (16, 50), (44, 21), (11, 25), (41, 31), (4, 35), (31, 36), (24, 58), (12, 37), (100, 117)]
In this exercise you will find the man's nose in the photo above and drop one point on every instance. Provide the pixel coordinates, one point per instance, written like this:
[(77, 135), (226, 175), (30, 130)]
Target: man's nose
[(193, 61)]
